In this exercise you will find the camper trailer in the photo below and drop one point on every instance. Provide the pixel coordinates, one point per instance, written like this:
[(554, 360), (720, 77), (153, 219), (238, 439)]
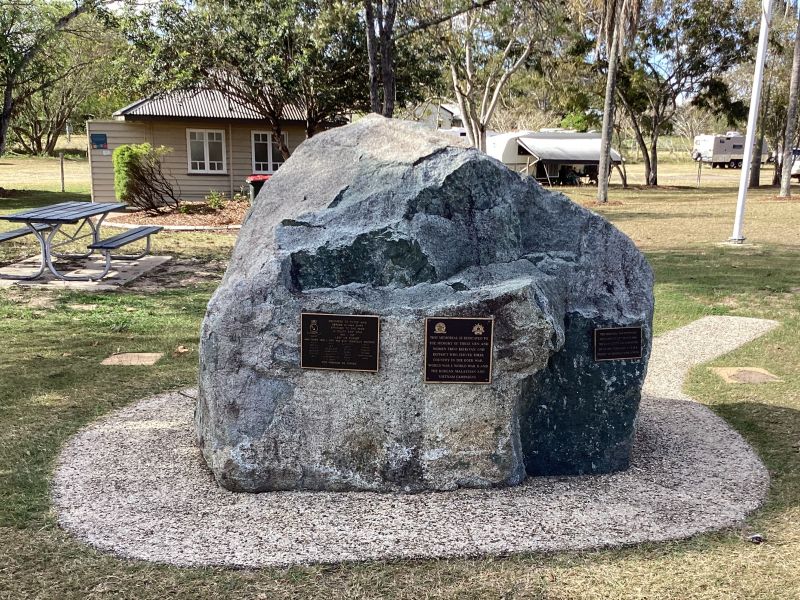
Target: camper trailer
[(553, 157), (722, 151)]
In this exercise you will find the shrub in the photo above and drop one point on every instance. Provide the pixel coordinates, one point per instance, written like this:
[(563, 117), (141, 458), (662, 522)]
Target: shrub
[(216, 200), (139, 180)]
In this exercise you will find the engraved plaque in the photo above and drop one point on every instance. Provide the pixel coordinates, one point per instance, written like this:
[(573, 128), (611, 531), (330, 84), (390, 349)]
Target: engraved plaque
[(618, 343), (339, 342), (458, 349)]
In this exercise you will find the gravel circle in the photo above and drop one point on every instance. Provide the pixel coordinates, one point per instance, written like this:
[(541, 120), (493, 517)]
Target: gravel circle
[(134, 484)]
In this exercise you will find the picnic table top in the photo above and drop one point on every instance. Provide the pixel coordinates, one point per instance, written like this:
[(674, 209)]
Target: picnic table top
[(64, 212)]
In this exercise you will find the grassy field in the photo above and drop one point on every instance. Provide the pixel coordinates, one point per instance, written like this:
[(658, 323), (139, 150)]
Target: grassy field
[(51, 384)]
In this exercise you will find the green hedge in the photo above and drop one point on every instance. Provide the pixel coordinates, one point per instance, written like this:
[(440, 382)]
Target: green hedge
[(139, 180), (126, 159)]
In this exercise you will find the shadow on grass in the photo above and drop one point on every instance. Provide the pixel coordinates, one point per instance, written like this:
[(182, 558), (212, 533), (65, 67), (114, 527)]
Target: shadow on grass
[(12, 200), (715, 271), (641, 215), (758, 423)]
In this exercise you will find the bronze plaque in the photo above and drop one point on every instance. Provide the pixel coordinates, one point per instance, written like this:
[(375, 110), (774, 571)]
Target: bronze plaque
[(618, 343), (339, 342), (458, 349)]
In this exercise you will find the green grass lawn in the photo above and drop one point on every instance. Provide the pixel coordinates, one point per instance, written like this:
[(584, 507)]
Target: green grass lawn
[(51, 384)]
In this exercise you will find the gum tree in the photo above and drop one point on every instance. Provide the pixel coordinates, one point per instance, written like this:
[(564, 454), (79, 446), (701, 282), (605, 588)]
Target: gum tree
[(269, 55), (310, 54), (791, 117), (26, 28), (683, 50), (485, 47)]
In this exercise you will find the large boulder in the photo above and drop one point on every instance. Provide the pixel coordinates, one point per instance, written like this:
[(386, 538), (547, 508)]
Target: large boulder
[(384, 217)]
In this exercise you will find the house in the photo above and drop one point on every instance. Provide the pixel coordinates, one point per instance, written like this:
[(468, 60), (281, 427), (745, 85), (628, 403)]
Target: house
[(216, 142), (439, 115), (551, 156)]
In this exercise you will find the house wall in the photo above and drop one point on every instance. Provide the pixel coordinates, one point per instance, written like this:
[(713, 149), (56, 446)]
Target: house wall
[(172, 134)]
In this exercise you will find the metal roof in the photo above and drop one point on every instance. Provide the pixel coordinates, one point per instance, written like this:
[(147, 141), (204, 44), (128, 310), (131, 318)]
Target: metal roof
[(452, 108), (565, 149), (198, 104)]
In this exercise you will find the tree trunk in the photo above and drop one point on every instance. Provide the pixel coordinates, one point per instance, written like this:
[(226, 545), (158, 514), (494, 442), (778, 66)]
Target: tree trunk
[(791, 119), (277, 137), (652, 178), (387, 57), (637, 133), (389, 81), (5, 115), (372, 56), (776, 173), (482, 137), (604, 169), (755, 163), (312, 126)]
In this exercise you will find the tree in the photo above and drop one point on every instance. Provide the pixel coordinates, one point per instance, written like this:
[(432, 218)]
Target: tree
[(87, 61), (617, 27), (387, 21), (683, 49), (25, 30), (379, 20), (534, 98), (270, 55), (484, 48), (690, 121), (791, 117)]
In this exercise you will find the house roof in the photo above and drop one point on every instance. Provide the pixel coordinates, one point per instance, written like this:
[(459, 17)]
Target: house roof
[(565, 148), (197, 104), (452, 108)]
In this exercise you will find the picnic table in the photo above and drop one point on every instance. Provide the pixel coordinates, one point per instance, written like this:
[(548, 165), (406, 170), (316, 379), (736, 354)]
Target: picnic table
[(46, 223)]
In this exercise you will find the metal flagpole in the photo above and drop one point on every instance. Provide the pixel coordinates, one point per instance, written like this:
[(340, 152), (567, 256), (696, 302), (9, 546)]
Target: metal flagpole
[(755, 100)]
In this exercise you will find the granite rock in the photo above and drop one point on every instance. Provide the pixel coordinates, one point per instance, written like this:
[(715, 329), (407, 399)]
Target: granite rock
[(385, 217)]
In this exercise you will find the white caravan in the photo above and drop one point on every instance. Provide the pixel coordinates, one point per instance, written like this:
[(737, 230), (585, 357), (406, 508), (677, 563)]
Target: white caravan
[(721, 150)]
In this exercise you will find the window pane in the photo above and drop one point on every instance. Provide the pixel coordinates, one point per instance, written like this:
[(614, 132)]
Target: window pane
[(215, 151), (261, 149), (197, 155)]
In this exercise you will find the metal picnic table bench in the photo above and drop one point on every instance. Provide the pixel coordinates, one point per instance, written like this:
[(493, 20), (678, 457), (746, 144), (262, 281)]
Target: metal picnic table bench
[(46, 222)]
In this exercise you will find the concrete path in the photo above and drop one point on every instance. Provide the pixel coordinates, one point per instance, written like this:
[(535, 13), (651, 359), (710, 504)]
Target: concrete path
[(134, 484)]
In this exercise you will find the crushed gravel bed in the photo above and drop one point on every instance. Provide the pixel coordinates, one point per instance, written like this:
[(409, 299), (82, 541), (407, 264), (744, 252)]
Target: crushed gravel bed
[(133, 483)]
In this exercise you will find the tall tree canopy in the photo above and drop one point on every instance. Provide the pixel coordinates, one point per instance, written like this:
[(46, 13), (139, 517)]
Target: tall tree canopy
[(682, 51), (485, 47), (91, 63), (26, 29), (310, 54), (268, 55)]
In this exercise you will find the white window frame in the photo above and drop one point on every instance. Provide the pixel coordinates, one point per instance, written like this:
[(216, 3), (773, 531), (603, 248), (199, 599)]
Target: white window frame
[(206, 171), (269, 149)]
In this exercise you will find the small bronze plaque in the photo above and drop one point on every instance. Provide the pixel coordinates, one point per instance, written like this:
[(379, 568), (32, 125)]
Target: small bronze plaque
[(618, 343), (458, 349), (339, 342)]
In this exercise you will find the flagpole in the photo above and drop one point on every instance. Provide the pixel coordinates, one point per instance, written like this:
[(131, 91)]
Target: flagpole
[(755, 100)]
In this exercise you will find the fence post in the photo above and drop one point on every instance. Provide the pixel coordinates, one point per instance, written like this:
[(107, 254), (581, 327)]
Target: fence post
[(61, 160)]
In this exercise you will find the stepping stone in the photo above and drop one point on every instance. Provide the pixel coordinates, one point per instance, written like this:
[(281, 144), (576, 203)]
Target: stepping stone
[(133, 358), (745, 375)]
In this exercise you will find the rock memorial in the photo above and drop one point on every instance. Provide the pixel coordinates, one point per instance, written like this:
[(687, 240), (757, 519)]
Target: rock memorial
[(386, 219)]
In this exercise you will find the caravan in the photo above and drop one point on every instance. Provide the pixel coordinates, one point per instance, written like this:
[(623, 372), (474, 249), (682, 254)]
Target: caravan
[(722, 151)]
